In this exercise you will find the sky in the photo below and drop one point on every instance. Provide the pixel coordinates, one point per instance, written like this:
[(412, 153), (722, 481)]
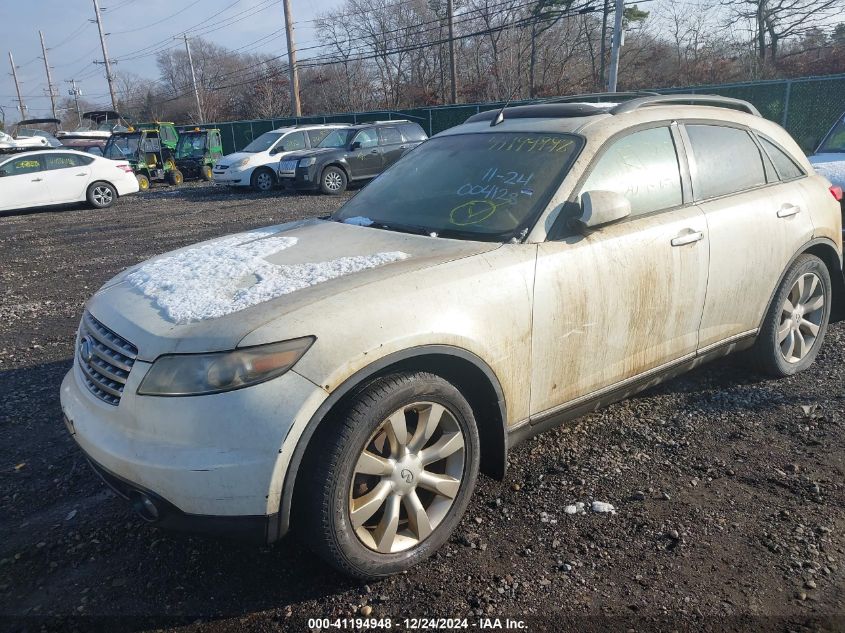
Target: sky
[(131, 26)]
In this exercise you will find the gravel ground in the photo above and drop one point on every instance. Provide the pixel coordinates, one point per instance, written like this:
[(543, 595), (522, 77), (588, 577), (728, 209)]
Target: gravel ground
[(727, 487)]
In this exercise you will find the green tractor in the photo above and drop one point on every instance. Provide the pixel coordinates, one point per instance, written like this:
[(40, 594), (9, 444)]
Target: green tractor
[(198, 151), (149, 148)]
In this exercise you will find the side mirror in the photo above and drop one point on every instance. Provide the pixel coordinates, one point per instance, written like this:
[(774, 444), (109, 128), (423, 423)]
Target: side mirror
[(354, 146), (2, 172), (603, 207)]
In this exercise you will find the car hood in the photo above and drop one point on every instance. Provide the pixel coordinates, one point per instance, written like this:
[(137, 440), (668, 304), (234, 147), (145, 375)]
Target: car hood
[(231, 159), (831, 166), (209, 296)]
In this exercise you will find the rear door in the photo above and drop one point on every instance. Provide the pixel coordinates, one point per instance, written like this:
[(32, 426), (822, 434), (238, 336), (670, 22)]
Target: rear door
[(22, 183), (392, 145), (365, 161), (625, 299), (756, 224), (67, 176)]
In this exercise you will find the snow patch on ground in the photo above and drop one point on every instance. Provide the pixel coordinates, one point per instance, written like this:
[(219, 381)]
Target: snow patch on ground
[(359, 220), (600, 507), (232, 274)]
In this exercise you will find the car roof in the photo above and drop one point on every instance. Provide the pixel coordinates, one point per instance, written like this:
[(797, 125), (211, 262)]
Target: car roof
[(52, 150), (309, 126)]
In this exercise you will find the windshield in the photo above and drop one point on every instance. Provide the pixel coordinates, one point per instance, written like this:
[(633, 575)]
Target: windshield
[(337, 138), (835, 141), (191, 146), (479, 186), (120, 147), (263, 142)]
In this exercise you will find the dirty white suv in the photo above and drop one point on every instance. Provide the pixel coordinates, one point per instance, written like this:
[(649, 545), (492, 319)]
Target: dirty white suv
[(350, 376)]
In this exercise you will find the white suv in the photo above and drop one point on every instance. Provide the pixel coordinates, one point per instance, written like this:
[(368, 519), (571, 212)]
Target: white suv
[(255, 165), (350, 376)]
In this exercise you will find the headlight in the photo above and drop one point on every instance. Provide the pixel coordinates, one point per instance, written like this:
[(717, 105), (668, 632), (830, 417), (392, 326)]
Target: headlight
[(241, 163), (307, 162), (195, 374)]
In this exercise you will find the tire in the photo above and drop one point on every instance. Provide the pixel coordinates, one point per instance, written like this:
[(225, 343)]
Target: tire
[(796, 321), (205, 173), (143, 182), (333, 479), (263, 179), (175, 177), (101, 195), (333, 181)]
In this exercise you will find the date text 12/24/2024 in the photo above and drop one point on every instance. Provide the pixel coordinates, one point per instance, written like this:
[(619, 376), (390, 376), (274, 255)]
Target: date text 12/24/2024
[(417, 624)]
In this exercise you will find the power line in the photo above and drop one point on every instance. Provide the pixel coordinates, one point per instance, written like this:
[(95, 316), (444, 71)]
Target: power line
[(151, 24)]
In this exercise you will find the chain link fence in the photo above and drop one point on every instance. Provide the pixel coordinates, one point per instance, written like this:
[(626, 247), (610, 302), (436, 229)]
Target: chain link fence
[(807, 107)]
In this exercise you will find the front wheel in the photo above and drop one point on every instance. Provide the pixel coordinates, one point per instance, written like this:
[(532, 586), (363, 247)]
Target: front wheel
[(205, 173), (143, 182), (390, 479), (101, 195), (175, 177), (795, 325), (263, 180), (333, 181)]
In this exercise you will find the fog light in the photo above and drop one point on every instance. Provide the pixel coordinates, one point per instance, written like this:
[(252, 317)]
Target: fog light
[(144, 506)]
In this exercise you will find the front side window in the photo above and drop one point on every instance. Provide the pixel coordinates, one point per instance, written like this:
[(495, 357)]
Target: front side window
[(643, 167), (488, 186), (727, 161), (23, 165), (786, 167), (336, 138), (263, 142), (835, 140), (293, 141), (367, 138), (389, 136)]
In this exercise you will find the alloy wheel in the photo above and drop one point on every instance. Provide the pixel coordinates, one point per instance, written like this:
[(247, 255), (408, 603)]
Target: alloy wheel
[(102, 196), (264, 181), (333, 181), (801, 316), (407, 477)]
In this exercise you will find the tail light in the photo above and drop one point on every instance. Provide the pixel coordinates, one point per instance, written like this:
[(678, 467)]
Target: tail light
[(836, 190), (125, 167)]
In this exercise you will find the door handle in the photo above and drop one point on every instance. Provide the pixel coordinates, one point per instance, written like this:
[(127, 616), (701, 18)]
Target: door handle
[(37, 179), (403, 147), (81, 175), (688, 238), (373, 151), (788, 209)]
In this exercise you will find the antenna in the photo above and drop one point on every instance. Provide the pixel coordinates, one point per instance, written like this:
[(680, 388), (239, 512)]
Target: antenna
[(500, 116)]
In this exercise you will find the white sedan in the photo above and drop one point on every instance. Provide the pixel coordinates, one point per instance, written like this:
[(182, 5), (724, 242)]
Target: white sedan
[(46, 177)]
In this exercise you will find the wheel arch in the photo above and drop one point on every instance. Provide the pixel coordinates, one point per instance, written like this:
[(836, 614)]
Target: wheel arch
[(826, 251), (339, 164), (473, 377)]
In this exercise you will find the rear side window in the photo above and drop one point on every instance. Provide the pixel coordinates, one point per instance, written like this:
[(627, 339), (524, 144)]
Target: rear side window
[(413, 132), (787, 169), (64, 161), (727, 160), (389, 136), (643, 167)]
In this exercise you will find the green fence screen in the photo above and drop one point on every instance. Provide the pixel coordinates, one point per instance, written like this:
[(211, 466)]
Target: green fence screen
[(807, 107)]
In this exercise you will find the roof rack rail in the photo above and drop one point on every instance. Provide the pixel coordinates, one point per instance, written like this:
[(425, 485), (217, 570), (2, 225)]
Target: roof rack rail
[(600, 95), (389, 121), (658, 99)]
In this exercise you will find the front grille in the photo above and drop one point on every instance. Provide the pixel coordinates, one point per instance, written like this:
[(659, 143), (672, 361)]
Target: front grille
[(104, 358), (287, 166), (220, 167)]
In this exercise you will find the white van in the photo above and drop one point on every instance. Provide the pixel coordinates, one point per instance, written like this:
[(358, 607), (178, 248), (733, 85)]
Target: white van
[(254, 166)]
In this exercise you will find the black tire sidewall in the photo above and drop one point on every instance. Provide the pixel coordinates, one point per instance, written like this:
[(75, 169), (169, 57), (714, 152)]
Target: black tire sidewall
[(90, 195), (344, 181), (769, 356), (355, 557)]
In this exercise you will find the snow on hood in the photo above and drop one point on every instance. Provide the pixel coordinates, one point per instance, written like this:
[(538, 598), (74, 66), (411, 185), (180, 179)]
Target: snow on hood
[(831, 167), (231, 274)]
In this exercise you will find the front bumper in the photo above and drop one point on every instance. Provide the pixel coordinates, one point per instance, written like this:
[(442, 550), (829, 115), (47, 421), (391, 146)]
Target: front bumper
[(209, 463), (231, 177), (303, 179)]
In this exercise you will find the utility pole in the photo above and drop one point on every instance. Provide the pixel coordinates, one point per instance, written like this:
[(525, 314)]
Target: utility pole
[(616, 45), (75, 93), (106, 61), (453, 78), (296, 106), (49, 75), (21, 105), (193, 77), (605, 12)]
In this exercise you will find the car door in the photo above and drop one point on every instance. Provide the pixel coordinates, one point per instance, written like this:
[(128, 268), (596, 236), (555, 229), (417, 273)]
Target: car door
[(756, 224), (22, 183), (67, 176), (624, 300), (365, 160), (392, 145)]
